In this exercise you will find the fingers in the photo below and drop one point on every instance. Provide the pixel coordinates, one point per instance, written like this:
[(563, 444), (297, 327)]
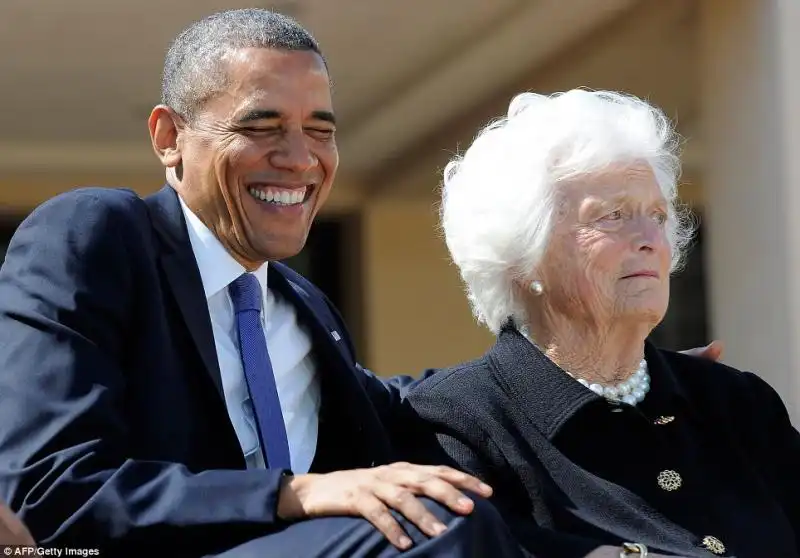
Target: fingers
[(712, 351), (441, 484), (404, 501), (462, 480), (397, 487), (376, 512), (447, 495), (414, 474)]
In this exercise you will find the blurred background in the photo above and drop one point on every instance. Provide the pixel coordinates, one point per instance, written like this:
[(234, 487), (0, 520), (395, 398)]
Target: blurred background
[(414, 81)]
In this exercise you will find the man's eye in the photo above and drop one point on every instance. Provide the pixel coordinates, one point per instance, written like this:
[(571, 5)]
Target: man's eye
[(321, 133)]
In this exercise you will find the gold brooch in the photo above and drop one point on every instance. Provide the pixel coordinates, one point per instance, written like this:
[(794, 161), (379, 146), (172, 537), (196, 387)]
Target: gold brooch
[(714, 545), (669, 480)]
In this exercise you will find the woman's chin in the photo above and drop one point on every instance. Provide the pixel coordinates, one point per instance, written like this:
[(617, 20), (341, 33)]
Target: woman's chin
[(642, 311)]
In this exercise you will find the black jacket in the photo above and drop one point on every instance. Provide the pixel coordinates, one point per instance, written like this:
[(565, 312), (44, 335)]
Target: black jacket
[(572, 471)]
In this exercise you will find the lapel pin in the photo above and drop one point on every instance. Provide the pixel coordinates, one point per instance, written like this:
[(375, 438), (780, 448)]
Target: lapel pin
[(336, 336)]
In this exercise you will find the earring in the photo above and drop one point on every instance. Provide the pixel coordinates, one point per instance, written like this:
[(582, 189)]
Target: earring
[(536, 287)]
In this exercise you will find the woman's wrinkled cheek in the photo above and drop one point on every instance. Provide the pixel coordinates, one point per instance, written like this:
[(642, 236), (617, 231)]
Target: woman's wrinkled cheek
[(594, 265), (564, 277)]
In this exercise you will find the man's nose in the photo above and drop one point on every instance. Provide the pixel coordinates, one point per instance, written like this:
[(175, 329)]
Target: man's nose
[(294, 153)]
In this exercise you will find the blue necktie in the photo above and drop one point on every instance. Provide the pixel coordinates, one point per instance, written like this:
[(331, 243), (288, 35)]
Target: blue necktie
[(246, 296)]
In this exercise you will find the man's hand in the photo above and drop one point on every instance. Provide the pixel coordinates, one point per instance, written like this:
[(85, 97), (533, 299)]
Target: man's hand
[(712, 351), (371, 493), (12, 531)]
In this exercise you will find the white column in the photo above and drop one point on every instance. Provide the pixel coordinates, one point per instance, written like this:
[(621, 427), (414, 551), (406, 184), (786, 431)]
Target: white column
[(750, 76)]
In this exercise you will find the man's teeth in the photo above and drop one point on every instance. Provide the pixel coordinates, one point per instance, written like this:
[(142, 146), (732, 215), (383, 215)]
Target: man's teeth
[(279, 197)]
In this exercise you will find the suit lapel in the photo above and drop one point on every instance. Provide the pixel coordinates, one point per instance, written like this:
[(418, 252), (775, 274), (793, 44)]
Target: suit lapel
[(350, 398), (319, 324), (324, 338), (180, 267)]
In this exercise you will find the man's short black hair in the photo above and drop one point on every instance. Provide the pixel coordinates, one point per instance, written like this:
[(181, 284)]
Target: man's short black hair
[(194, 69)]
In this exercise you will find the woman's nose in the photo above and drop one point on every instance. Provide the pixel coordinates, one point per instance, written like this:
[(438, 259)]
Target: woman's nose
[(648, 235)]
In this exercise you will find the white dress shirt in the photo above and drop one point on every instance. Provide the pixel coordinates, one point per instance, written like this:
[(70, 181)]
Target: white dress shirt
[(288, 343)]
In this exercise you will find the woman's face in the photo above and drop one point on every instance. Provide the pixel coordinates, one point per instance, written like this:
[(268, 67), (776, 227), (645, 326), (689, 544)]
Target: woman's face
[(609, 258)]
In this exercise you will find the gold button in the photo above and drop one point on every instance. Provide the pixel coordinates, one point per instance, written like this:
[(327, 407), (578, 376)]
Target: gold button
[(669, 480), (714, 545), (664, 420)]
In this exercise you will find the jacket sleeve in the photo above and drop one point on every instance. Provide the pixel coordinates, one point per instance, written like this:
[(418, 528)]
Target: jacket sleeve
[(66, 293), (388, 397), (774, 443)]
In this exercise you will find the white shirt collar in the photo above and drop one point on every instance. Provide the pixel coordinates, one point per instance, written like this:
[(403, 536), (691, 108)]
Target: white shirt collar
[(218, 268)]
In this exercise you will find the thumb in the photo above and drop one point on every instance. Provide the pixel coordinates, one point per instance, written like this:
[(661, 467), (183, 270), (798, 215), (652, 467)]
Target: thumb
[(713, 351)]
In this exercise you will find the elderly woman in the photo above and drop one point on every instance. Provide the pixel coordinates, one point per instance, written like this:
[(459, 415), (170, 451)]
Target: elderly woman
[(563, 221)]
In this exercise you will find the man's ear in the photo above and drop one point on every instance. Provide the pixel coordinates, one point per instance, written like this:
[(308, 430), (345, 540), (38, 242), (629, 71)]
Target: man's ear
[(165, 126)]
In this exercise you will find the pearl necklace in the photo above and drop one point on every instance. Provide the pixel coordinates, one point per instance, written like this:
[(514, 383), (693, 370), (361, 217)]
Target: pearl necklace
[(631, 391)]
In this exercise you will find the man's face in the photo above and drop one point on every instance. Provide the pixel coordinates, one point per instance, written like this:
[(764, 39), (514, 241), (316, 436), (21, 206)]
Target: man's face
[(259, 159)]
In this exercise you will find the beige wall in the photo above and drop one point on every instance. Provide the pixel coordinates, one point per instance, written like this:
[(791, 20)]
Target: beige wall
[(415, 312), (22, 191), (751, 84)]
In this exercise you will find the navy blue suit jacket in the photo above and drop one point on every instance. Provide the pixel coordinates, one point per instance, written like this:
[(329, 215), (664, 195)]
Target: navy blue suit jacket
[(113, 427)]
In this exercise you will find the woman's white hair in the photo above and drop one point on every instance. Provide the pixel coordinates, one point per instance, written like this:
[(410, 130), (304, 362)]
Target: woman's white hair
[(498, 199)]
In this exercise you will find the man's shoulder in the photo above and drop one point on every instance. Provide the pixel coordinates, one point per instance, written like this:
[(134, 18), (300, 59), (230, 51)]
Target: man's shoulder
[(95, 199), (84, 222), (89, 211)]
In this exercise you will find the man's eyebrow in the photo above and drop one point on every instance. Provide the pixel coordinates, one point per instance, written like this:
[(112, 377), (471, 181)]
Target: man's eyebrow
[(325, 115), (258, 114), (270, 114)]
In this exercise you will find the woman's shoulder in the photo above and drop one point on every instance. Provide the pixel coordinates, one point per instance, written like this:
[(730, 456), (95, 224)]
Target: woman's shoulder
[(456, 380), (466, 391), (728, 386)]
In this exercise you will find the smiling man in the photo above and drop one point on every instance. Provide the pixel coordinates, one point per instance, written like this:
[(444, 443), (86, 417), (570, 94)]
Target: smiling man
[(165, 383)]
